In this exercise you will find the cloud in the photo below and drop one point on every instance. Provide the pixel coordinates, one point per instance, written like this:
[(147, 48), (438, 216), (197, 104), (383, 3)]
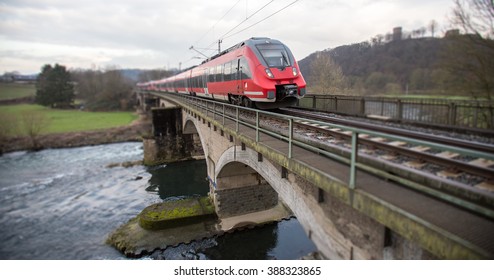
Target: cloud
[(158, 33)]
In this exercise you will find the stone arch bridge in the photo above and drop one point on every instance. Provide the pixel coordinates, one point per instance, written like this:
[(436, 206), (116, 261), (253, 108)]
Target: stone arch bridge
[(250, 170)]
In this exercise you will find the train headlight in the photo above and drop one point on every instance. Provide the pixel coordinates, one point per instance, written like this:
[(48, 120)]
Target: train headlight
[(268, 72), (294, 71)]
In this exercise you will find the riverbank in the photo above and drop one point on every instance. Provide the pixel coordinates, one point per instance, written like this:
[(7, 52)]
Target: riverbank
[(129, 133)]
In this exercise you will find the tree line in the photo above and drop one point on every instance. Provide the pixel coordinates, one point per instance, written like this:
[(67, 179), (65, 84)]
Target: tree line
[(95, 89), (460, 63), (363, 68)]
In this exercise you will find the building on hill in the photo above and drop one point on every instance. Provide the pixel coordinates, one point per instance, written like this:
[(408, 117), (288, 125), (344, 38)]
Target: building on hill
[(397, 33)]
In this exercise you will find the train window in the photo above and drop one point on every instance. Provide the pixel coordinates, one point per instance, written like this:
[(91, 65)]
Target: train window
[(219, 73), (228, 71), (274, 55), (244, 67), (212, 73)]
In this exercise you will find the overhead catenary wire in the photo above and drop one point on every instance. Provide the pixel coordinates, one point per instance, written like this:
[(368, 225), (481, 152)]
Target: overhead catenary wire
[(212, 27), (252, 25), (228, 35), (209, 30), (260, 20), (247, 18)]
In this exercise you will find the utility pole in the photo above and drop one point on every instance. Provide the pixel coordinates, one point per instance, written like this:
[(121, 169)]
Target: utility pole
[(219, 45)]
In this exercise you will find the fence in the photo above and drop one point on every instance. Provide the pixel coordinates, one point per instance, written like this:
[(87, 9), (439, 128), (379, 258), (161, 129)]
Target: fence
[(457, 113), (233, 117)]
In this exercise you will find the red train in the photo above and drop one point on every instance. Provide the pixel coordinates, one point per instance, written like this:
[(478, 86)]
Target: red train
[(258, 73)]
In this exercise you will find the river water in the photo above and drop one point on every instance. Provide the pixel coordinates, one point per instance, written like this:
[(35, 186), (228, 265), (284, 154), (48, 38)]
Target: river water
[(63, 204)]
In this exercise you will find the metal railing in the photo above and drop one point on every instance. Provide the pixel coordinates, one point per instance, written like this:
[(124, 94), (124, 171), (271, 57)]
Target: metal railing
[(221, 112), (455, 113)]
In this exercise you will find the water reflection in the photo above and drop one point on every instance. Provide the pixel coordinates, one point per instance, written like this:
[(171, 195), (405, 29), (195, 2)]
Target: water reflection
[(178, 180), (255, 244)]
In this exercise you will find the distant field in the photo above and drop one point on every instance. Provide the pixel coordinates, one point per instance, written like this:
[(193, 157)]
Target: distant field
[(59, 121), (12, 91)]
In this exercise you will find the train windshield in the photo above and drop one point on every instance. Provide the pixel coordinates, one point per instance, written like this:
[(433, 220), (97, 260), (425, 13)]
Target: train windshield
[(275, 55)]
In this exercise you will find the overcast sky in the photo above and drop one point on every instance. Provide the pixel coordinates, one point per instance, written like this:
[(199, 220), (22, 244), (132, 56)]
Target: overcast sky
[(151, 34)]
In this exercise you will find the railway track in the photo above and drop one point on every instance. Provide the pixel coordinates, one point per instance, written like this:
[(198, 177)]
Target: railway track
[(458, 171), (440, 139), (448, 165), (450, 160), (444, 167)]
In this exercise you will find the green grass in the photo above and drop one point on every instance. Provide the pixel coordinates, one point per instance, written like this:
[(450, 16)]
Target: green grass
[(426, 96), (12, 91), (59, 121)]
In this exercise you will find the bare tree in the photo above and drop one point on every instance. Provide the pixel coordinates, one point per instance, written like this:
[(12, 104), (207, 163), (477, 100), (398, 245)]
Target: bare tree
[(33, 124), (470, 59), (377, 40), (155, 74), (432, 27), (106, 89), (474, 17), (422, 31), (327, 75), (8, 128)]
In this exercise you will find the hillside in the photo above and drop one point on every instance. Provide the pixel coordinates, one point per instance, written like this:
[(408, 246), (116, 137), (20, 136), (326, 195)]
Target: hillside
[(398, 62)]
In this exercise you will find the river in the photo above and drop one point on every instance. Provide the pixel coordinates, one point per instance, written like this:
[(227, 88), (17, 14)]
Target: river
[(63, 204)]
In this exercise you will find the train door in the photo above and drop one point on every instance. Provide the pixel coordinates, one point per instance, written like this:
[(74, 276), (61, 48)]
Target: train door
[(186, 84), (205, 82), (238, 78)]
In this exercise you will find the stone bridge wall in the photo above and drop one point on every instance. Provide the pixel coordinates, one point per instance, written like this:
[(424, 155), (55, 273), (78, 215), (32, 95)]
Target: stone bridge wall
[(238, 201), (242, 181)]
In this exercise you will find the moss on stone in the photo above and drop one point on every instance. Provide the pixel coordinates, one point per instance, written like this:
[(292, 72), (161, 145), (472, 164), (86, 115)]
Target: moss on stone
[(207, 205), (176, 213)]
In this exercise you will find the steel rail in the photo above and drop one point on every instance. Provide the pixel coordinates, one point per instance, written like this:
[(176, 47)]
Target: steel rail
[(481, 147), (485, 172)]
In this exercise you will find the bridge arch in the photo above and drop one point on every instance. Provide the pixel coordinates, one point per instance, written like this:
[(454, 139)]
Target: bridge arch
[(191, 126), (312, 219), (234, 167), (240, 190)]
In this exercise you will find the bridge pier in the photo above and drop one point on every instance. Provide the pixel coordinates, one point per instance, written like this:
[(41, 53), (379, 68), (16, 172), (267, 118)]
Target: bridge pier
[(168, 143), (147, 102)]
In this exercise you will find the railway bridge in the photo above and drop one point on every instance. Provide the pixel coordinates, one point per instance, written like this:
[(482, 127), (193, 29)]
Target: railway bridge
[(348, 210)]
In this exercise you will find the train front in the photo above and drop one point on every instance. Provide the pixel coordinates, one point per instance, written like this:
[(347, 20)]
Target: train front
[(278, 74)]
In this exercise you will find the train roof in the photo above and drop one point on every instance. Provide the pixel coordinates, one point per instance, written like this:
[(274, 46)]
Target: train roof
[(249, 42)]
